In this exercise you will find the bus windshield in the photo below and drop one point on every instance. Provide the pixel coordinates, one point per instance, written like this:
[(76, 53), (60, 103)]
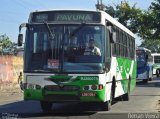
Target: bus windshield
[(72, 48), (140, 55), (156, 59)]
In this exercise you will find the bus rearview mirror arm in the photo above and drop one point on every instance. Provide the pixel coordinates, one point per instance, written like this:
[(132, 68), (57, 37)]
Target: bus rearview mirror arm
[(20, 36)]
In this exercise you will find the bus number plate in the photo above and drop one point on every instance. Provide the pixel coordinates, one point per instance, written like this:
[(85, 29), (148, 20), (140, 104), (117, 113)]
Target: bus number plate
[(84, 94)]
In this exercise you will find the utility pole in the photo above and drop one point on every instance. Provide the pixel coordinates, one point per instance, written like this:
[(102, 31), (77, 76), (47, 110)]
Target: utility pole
[(100, 6)]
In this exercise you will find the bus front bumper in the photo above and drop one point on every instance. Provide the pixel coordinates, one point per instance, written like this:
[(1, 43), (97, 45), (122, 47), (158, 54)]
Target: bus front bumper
[(61, 96), (142, 76)]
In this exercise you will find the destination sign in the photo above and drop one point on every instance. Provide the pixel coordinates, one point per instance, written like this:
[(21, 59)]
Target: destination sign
[(139, 51), (66, 16), (73, 17)]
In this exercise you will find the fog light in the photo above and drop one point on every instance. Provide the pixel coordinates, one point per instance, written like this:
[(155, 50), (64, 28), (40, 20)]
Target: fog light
[(86, 87), (94, 87)]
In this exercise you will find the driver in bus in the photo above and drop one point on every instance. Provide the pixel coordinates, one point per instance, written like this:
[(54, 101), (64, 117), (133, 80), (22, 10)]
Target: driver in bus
[(92, 49)]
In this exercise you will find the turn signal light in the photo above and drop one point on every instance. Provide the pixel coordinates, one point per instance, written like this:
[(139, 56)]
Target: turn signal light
[(100, 87)]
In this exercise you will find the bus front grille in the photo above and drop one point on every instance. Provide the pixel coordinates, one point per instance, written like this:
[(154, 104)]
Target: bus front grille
[(61, 98), (59, 88)]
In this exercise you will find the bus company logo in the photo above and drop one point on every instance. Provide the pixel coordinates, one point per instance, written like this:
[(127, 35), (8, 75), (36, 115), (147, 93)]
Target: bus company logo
[(89, 78), (9, 116), (119, 69), (61, 85)]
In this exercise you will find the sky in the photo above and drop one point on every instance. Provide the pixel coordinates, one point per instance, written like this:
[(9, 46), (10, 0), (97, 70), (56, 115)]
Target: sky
[(15, 12)]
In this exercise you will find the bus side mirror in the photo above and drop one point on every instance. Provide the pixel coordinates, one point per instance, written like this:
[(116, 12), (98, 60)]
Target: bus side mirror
[(20, 39), (146, 57), (113, 37)]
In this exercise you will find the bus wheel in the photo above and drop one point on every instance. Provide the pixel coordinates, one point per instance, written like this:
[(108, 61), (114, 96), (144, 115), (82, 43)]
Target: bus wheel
[(46, 106), (145, 81), (151, 78), (126, 96), (107, 106), (157, 73)]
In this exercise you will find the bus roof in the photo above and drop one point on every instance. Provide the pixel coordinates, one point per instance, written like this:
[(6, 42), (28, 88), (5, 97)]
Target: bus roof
[(63, 10), (116, 23), (104, 15), (142, 48), (155, 54)]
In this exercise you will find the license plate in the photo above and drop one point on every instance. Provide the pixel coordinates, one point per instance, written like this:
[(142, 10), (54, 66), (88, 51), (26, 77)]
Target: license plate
[(88, 94)]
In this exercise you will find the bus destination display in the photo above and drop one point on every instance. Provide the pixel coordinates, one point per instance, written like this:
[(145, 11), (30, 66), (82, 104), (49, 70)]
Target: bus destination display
[(70, 16)]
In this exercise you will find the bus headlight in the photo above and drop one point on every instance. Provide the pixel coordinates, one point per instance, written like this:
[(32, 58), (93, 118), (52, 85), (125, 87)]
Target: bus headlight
[(86, 87), (94, 87)]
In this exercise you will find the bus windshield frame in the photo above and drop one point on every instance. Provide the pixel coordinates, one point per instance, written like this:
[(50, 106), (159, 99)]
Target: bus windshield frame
[(156, 59), (140, 55), (64, 53)]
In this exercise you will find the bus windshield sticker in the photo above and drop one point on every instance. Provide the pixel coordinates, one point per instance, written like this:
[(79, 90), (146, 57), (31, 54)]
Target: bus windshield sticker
[(53, 63)]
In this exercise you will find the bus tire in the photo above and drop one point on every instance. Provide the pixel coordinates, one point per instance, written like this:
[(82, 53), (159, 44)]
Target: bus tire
[(46, 106), (151, 78), (145, 81), (157, 72), (107, 105), (126, 96)]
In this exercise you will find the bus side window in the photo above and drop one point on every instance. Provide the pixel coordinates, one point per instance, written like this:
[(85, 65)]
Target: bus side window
[(126, 53), (108, 46), (130, 47), (118, 43)]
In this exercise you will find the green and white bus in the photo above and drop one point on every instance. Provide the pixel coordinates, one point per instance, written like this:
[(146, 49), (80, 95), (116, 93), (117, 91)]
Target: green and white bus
[(156, 64), (56, 69)]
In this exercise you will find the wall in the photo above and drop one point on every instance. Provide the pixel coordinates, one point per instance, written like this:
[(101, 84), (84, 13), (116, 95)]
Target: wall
[(10, 67)]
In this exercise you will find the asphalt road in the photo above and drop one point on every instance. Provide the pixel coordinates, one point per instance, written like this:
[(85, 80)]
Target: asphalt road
[(144, 100)]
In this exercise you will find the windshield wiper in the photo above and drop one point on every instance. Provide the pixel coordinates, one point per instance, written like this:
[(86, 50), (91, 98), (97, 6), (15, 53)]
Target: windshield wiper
[(76, 30), (49, 30)]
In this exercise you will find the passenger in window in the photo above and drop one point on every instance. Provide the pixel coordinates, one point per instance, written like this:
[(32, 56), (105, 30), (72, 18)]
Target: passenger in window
[(92, 49)]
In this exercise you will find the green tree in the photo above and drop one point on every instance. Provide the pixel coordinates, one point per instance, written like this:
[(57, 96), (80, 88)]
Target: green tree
[(144, 23), (151, 28), (128, 15), (153, 45), (155, 15), (5, 42)]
